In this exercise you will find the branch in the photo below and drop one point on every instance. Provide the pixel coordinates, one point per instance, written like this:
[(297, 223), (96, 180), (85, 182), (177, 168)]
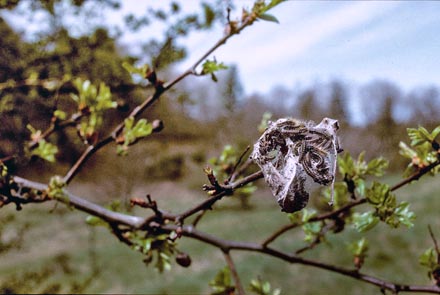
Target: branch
[(234, 273), (416, 175), (159, 90), (227, 245), (86, 206), (191, 70), (56, 125), (207, 204), (329, 215), (333, 214), (91, 149)]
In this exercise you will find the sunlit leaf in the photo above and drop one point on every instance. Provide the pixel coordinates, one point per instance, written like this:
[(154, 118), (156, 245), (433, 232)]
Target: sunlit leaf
[(364, 221), (268, 17)]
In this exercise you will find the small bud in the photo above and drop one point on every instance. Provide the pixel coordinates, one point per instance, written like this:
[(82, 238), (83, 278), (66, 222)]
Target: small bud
[(122, 105), (157, 125)]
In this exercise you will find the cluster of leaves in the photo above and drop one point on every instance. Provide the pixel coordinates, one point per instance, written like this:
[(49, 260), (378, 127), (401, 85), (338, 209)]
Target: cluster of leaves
[(260, 9), (224, 165), (223, 284), (312, 230), (359, 251), (379, 195), (209, 67), (431, 260), (423, 151), (356, 171), (159, 248), (156, 246), (93, 102), (131, 133), (56, 188), (386, 209), (44, 149)]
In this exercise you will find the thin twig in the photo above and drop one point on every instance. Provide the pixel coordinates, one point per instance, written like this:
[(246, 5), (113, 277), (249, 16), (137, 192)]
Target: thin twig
[(416, 175), (227, 245), (233, 174), (234, 273), (434, 240), (324, 216), (207, 204)]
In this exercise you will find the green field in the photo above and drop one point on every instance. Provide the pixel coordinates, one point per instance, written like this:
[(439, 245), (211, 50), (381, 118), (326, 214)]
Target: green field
[(60, 253)]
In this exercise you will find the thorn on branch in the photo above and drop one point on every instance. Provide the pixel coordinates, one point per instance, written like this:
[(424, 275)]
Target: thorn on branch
[(149, 203)]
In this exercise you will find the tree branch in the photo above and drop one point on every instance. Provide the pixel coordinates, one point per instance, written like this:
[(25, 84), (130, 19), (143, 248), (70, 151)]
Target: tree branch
[(86, 206), (234, 273), (226, 245), (416, 175), (159, 90)]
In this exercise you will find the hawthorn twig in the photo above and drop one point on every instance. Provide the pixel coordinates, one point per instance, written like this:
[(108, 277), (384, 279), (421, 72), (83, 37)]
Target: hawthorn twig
[(434, 240), (416, 175), (227, 245), (207, 204), (234, 273), (236, 172), (329, 215)]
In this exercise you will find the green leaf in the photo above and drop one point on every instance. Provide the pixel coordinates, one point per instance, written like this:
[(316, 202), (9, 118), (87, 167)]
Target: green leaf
[(377, 166), (365, 221), (133, 132), (104, 98), (222, 281), (377, 193), (359, 248), (45, 150), (60, 114), (268, 17), (360, 187), (212, 66), (296, 217), (307, 214), (142, 71), (3, 171), (55, 189), (346, 165), (429, 259), (95, 221), (404, 215), (406, 151), (311, 230), (419, 136), (435, 132)]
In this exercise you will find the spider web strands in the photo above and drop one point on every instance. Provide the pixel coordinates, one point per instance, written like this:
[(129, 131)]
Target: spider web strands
[(289, 150)]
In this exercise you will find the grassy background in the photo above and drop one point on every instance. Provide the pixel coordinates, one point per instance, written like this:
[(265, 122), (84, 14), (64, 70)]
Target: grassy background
[(60, 253)]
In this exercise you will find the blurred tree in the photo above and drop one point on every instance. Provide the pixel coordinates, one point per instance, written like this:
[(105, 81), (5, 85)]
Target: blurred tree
[(425, 106), (307, 107), (233, 89), (338, 103)]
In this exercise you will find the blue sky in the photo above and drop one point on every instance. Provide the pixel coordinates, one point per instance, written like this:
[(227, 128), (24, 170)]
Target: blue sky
[(317, 41), (357, 41)]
